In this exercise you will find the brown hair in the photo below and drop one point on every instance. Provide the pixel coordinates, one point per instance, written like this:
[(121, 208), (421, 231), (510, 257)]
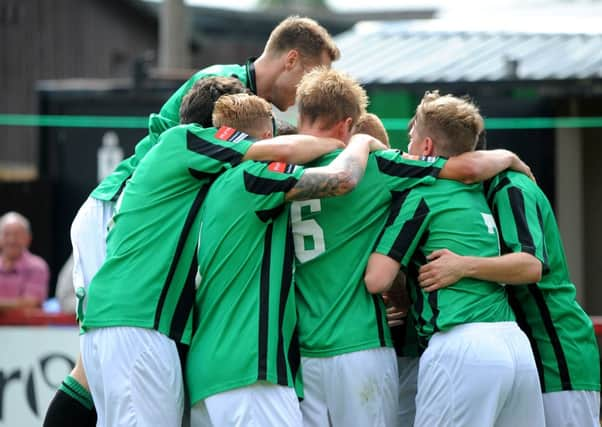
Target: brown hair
[(372, 125), (248, 113), (303, 34), (197, 104), (331, 96), (453, 123)]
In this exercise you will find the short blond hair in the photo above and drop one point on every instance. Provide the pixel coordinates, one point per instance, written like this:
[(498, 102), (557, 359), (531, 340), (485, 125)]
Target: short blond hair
[(304, 35), (372, 125), (247, 113), (453, 123), (330, 95)]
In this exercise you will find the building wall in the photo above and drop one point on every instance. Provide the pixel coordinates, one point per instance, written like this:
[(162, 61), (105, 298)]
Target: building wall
[(41, 39)]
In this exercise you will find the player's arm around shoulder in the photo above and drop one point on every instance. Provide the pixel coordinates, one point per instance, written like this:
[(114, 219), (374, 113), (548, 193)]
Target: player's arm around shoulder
[(339, 177), (478, 166), (298, 149)]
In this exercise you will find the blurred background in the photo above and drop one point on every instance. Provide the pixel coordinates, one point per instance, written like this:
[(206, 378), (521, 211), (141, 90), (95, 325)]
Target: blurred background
[(78, 79)]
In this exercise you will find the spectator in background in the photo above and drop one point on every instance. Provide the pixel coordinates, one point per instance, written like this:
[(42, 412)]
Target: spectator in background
[(23, 276)]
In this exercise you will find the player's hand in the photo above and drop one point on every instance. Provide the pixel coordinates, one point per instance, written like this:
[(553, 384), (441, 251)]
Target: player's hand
[(443, 269), (396, 316), (520, 166)]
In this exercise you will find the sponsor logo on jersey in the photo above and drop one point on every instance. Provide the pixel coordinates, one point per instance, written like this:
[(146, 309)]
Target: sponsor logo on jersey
[(281, 167), (229, 134)]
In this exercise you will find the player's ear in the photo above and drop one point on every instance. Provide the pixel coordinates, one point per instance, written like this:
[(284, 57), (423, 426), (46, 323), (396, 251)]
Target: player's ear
[(268, 134), (291, 58), (429, 147)]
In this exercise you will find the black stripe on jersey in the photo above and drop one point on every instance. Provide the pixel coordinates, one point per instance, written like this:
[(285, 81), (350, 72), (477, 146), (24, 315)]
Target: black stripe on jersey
[(287, 282), (433, 303), (378, 317), (185, 302), (264, 304), (121, 187), (546, 262), (544, 311), (504, 249), (408, 232), (491, 193), (397, 200), (264, 186), (213, 150), (269, 214), (192, 213), (294, 354), (521, 320), (517, 201), (404, 170), (200, 175)]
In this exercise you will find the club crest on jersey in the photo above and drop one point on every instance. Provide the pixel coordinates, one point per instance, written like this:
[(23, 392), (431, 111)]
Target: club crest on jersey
[(281, 167), (229, 134)]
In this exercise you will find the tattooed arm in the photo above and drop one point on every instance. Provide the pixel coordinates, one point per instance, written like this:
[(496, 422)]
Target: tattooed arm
[(339, 177)]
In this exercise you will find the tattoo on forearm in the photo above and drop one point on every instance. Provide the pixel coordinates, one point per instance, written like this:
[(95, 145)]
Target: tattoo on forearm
[(321, 183)]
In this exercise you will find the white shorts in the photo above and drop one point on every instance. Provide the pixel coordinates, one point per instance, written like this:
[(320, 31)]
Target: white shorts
[(89, 239), (134, 375), (262, 404), (479, 374), (408, 386), (353, 389), (572, 408)]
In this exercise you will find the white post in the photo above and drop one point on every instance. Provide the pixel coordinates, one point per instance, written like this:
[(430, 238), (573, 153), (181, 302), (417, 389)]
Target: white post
[(173, 35)]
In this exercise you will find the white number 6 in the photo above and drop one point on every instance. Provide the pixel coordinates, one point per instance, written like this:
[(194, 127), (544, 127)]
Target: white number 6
[(307, 228)]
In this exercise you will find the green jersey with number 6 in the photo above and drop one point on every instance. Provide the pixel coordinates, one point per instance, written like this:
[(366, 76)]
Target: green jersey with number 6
[(147, 279), (333, 240), (168, 117), (454, 216), (246, 314), (561, 333)]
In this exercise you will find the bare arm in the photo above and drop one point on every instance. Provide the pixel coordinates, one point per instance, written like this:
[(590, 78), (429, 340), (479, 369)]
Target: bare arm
[(339, 177), (481, 165), (445, 268), (292, 148), (380, 273)]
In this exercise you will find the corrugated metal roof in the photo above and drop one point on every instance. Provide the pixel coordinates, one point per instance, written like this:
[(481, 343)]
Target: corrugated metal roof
[(430, 51)]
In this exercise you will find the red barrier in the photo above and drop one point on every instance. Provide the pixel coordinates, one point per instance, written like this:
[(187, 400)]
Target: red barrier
[(597, 320), (35, 317)]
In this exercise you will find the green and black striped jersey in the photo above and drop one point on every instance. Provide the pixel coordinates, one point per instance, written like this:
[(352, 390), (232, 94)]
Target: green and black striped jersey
[(333, 240), (147, 279), (168, 117), (561, 333), (245, 313), (446, 215)]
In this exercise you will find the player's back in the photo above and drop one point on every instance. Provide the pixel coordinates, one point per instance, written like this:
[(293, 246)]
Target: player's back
[(246, 311), (150, 249), (333, 240), (451, 215), (560, 331)]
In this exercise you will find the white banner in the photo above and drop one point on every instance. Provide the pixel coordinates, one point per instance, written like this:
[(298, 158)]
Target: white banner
[(33, 363)]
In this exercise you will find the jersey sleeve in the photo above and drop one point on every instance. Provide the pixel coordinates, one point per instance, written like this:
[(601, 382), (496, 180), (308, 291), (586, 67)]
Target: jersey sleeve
[(520, 220), (212, 151), (407, 222), (401, 174), (269, 182)]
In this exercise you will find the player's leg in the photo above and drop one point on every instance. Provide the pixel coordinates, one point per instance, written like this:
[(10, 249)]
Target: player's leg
[(408, 387), (137, 373), (362, 388), (261, 404), (72, 403), (523, 406), (463, 376), (572, 408), (88, 238), (313, 405)]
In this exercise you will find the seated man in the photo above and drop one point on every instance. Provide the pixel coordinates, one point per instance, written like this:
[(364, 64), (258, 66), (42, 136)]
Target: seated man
[(23, 276)]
